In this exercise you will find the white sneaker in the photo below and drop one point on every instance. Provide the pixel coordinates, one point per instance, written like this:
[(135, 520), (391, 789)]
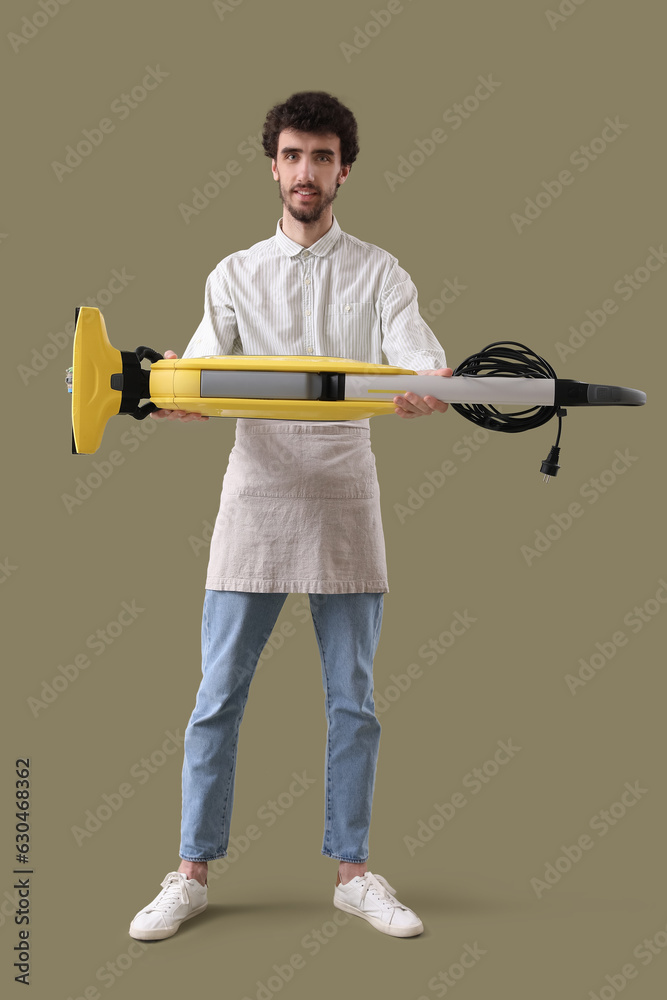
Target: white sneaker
[(180, 899), (371, 897)]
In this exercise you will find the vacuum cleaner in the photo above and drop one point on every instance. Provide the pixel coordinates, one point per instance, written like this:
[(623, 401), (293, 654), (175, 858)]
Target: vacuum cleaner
[(104, 382)]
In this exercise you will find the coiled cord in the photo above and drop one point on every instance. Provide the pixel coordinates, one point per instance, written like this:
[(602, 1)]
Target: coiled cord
[(510, 359)]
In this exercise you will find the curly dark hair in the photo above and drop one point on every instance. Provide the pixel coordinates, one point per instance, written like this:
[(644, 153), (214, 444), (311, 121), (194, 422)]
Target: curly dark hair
[(312, 111)]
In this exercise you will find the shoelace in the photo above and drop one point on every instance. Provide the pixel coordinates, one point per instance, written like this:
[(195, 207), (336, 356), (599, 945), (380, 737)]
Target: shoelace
[(174, 891), (378, 886)]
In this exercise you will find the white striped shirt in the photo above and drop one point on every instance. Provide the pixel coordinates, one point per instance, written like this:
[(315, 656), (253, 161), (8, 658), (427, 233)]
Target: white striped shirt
[(338, 298)]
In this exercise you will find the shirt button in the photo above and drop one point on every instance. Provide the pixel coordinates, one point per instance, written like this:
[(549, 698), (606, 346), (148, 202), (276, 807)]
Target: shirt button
[(307, 281), (307, 312), (347, 308), (306, 254), (309, 350)]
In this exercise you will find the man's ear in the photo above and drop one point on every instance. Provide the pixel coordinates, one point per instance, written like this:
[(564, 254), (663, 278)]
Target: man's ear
[(344, 171), (273, 170)]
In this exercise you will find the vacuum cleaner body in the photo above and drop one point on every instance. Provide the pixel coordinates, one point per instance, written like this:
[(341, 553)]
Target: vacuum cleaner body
[(105, 382)]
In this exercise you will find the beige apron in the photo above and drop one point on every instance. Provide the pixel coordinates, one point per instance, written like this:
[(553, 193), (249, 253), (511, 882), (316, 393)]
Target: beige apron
[(299, 511)]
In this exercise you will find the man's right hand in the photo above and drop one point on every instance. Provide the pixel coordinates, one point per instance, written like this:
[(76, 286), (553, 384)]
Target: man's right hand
[(183, 415)]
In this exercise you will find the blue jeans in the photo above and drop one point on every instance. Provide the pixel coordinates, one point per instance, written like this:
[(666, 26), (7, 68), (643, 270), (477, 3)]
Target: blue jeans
[(235, 628)]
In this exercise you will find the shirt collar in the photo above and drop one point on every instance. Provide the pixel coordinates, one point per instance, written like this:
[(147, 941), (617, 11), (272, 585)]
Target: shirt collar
[(320, 249)]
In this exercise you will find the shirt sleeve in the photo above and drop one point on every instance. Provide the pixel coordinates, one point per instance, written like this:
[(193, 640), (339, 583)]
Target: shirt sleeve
[(407, 340), (217, 332)]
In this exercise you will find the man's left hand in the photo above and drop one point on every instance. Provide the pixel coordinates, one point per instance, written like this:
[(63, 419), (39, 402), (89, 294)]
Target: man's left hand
[(412, 405)]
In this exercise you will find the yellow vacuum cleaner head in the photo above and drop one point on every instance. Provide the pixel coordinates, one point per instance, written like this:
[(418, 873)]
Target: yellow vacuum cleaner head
[(95, 363)]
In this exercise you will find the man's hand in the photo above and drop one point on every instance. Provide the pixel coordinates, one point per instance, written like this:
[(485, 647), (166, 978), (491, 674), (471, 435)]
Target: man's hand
[(412, 405), (183, 415)]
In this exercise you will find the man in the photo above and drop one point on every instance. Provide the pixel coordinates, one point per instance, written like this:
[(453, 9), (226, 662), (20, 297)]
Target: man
[(299, 510)]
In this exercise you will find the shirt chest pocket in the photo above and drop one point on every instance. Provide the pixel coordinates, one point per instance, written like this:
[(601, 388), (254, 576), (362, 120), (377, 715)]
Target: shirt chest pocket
[(348, 328)]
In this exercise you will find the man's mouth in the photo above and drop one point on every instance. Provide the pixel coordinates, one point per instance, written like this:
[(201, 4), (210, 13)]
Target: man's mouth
[(305, 193)]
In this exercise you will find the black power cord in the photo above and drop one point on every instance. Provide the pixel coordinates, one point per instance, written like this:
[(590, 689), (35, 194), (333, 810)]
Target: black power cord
[(509, 359)]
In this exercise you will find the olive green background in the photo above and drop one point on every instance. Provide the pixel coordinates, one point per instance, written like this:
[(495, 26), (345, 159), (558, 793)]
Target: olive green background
[(140, 534)]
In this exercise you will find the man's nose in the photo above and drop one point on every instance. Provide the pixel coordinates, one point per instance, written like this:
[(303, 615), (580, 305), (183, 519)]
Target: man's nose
[(306, 172)]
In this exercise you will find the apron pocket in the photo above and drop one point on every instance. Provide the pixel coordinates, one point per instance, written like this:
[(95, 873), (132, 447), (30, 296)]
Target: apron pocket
[(306, 464)]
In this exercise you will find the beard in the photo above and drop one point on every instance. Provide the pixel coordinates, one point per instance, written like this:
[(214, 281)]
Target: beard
[(307, 213)]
